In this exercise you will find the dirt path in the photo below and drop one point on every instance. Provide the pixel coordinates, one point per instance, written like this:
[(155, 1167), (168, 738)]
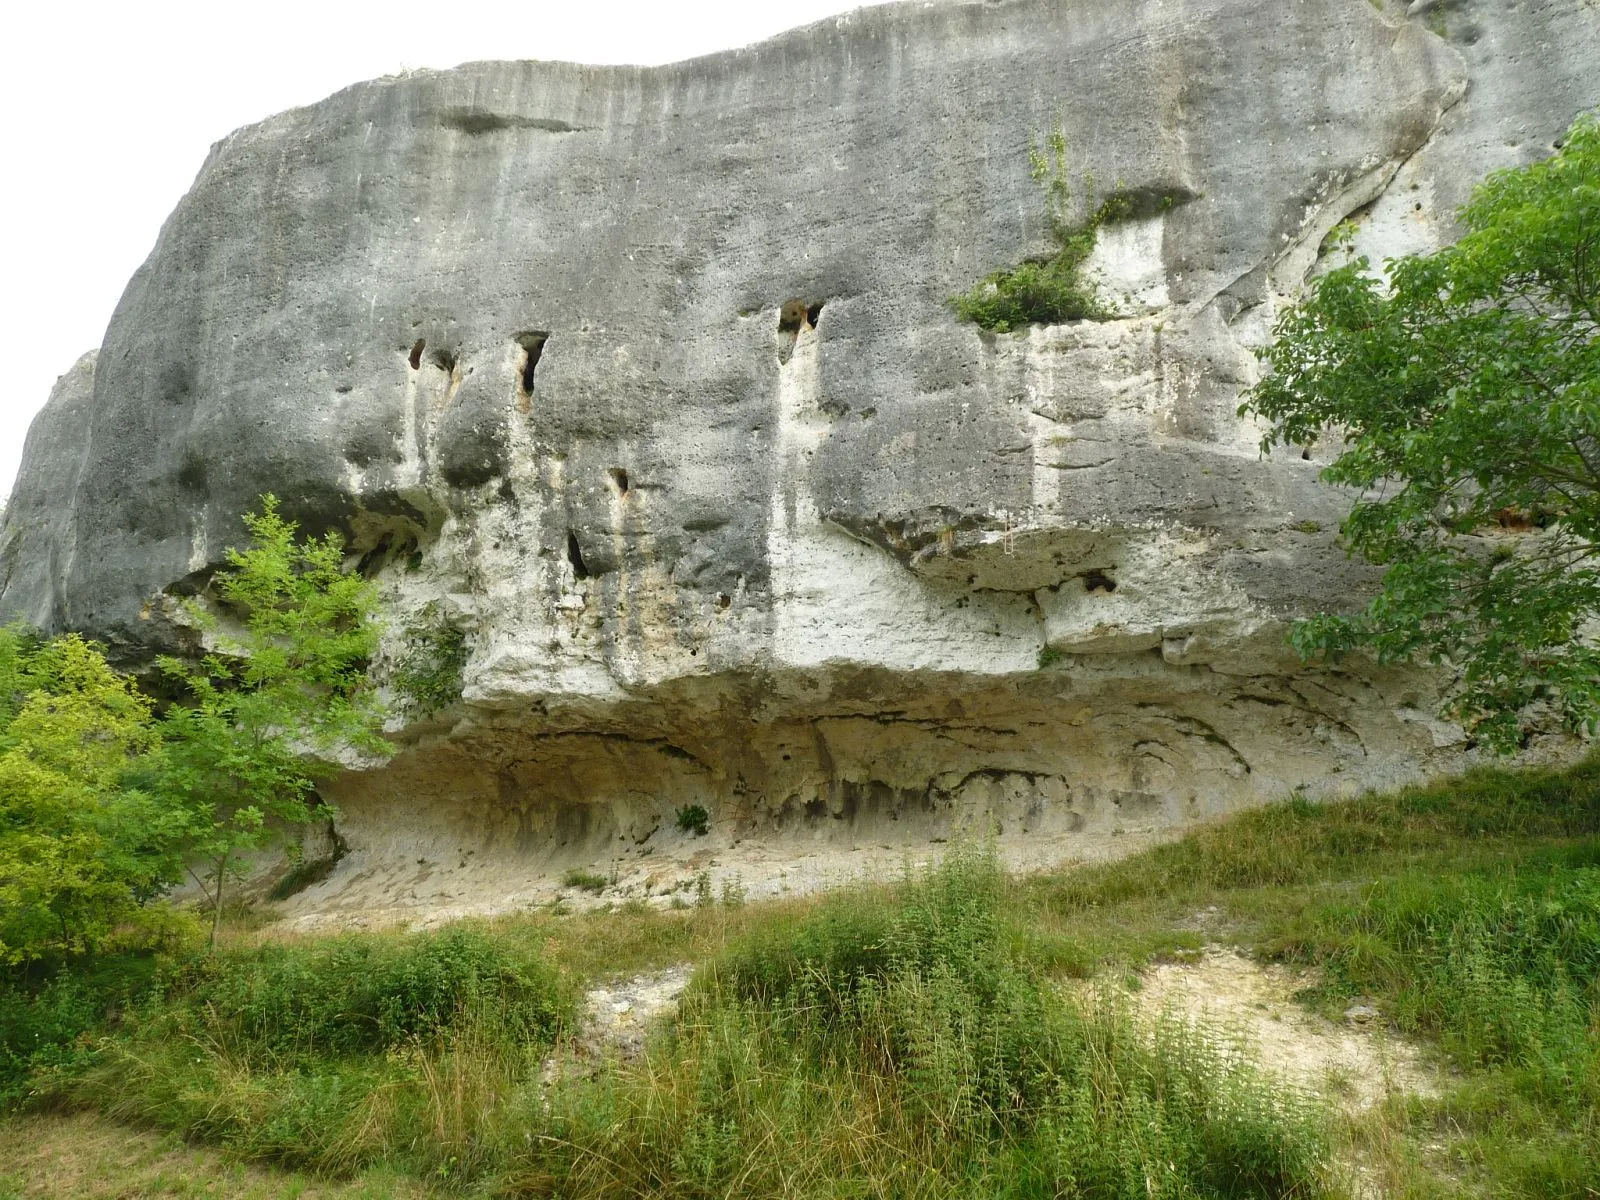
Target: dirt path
[(1356, 1063)]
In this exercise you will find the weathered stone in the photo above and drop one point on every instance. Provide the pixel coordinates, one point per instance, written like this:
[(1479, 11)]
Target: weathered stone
[(647, 378)]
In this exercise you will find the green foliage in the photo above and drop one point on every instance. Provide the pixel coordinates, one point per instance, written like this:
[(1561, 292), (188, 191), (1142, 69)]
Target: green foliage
[(1467, 395), (1053, 290), (694, 819), (587, 881), (47, 1020), (84, 841), (913, 1040), (354, 994), (285, 690), (1291, 844), (429, 675), (333, 1054), (899, 1049)]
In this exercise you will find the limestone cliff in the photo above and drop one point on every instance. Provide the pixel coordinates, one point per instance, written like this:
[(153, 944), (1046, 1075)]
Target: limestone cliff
[(646, 379)]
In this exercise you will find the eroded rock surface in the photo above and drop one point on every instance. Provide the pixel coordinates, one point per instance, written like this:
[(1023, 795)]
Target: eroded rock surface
[(646, 378)]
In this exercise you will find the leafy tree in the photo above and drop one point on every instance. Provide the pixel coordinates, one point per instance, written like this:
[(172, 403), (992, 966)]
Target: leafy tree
[(1466, 392), (284, 691), (81, 844)]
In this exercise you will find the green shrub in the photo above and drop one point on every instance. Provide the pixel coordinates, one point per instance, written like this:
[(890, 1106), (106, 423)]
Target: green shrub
[(892, 1046), (694, 819), (361, 994), (1053, 290), (430, 673), (86, 840), (48, 1022), (1500, 967), (587, 881)]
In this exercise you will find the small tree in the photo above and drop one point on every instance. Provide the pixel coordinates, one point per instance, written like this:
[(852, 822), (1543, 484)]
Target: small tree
[(81, 845), (280, 696), (1467, 394)]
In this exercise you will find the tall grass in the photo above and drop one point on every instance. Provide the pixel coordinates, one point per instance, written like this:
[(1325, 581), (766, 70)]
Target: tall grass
[(1502, 969), (337, 1054), (908, 1040), (902, 1050)]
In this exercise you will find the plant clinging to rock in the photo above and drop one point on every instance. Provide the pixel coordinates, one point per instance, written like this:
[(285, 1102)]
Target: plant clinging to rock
[(1057, 289)]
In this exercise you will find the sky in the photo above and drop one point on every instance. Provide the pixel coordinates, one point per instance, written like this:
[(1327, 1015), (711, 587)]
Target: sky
[(113, 106)]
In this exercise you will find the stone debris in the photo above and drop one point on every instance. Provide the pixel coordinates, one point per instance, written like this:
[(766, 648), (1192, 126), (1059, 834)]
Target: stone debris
[(617, 1018)]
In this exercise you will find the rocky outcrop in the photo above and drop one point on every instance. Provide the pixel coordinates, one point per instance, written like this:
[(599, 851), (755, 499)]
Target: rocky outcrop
[(647, 380)]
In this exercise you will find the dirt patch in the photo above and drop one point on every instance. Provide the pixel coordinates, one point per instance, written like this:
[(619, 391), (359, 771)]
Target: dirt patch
[(1356, 1063)]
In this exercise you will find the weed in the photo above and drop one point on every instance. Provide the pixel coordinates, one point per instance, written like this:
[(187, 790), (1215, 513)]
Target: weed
[(694, 819), (429, 675), (1053, 290), (909, 1040), (587, 881)]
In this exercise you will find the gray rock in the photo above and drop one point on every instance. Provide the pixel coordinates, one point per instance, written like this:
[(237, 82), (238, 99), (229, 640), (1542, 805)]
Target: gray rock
[(647, 377)]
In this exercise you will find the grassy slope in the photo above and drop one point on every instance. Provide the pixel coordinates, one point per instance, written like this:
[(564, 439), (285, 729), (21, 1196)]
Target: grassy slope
[(1467, 912)]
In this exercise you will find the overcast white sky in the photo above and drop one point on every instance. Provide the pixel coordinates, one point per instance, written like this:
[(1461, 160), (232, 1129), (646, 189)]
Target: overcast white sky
[(112, 107)]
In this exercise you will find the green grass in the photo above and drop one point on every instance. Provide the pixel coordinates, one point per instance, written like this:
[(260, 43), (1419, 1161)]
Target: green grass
[(918, 1038), (586, 881)]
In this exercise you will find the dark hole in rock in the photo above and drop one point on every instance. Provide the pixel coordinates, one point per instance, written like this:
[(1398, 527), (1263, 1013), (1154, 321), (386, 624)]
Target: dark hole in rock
[(344, 389), (724, 600), (532, 342), (791, 315), (374, 559), (193, 476), (445, 360), (416, 354), (619, 476), (575, 556), (794, 316), (1098, 581), (1305, 455)]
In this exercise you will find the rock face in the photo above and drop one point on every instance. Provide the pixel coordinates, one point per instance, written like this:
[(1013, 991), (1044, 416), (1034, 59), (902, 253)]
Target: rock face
[(647, 380)]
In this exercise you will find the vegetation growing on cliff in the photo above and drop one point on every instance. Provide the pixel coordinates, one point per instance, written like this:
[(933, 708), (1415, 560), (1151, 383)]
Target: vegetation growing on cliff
[(1056, 289), (430, 672), (1464, 390)]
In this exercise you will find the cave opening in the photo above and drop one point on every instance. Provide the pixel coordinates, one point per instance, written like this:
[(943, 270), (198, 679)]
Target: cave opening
[(1098, 581), (532, 343), (575, 557)]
